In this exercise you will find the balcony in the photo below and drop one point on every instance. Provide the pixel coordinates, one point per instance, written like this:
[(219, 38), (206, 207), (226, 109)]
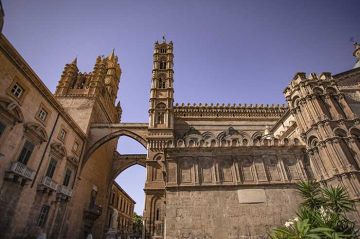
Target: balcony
[(47, 183), (18, 169), (66, 191)]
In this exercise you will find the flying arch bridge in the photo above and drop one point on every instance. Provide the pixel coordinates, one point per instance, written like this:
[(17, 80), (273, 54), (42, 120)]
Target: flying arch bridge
[(102, 133)]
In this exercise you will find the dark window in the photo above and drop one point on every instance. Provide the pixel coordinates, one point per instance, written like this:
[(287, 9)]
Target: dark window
[(163, 65), (67, 177), (2, 128), (62, 135), (157, 214), (26, 152), (42, 114), (162, 50), (43, 215), (161, 84), (17, 90), (160, 117), (51, 169)]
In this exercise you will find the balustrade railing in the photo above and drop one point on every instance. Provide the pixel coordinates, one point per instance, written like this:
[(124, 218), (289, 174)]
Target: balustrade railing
[(65, 190), (49, 183), (21, 170)]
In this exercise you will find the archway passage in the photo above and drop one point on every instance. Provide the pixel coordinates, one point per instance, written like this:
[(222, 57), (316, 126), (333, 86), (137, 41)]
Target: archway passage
[(127, 197), (103, 133)]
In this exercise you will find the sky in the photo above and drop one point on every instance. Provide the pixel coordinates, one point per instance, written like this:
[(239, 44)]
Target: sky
[(226, 51)]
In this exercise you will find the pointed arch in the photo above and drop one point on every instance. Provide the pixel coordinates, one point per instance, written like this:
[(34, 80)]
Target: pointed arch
[(110, 136)]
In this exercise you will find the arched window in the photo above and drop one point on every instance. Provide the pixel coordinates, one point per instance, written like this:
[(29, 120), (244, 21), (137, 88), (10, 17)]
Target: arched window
[(161, 84), (162, 64), (160, 113)]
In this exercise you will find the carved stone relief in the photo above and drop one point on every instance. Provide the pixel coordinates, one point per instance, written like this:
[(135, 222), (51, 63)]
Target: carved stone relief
[(272, 167), (260, 170), (226, 170), (246, 166), (206, 167), (186, 165), (292, 169)]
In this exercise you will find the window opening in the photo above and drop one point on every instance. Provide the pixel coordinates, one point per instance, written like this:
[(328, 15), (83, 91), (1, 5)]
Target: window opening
[(26, 152)]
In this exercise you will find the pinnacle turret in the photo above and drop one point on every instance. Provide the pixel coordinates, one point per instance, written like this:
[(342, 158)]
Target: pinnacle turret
[(74, 62)]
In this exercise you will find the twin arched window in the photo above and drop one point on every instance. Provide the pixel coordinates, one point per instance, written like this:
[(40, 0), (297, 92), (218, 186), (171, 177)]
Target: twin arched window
[(161, 84), (160, 113)]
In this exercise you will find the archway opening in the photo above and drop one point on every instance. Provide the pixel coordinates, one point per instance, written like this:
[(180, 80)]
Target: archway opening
[(130, 177)]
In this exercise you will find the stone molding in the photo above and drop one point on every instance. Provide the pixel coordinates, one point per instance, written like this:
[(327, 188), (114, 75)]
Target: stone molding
[(222, 111)]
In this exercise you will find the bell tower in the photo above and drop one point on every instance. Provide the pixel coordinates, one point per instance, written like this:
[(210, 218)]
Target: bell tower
[(161, 125), (162, 91), (89, 97)]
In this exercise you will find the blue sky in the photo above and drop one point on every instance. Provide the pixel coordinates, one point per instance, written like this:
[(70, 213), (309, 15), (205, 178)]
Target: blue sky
[(225, 51)]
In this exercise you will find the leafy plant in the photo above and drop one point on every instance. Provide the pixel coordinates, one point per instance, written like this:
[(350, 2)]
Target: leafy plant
[(321, 215)]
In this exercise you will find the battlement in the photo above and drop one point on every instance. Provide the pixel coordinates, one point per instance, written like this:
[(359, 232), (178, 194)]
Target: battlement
[(226, 111)]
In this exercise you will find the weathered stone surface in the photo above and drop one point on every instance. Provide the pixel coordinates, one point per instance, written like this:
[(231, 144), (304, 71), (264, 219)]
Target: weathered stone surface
[(217, 212)]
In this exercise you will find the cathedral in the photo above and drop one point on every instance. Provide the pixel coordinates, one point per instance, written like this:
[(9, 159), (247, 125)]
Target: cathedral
[(214, 171)]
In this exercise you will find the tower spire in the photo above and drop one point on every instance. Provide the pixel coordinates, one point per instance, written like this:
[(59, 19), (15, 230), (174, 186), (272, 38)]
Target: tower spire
[(112, 55), (74, 62)]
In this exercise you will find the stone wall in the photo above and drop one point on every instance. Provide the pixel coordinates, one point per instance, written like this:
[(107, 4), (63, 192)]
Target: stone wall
[(232, 213)]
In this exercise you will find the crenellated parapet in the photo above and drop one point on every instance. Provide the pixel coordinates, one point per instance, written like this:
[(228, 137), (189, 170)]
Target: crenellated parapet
[(228, 111)]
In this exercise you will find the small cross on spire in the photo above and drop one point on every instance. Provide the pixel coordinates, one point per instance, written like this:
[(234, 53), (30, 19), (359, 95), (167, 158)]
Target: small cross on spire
[(164, 39)]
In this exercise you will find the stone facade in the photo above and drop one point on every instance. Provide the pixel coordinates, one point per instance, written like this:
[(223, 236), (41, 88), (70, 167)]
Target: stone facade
[(213, 170), (120, 222), (41, 148)]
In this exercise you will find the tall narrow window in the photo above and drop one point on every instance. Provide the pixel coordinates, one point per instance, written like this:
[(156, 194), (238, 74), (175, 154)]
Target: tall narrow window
[(43, 215), (157, 214), (51, 169), (67, 177), (162, 84), (160, 117), (160, 113), (26, 152), (162, 65)]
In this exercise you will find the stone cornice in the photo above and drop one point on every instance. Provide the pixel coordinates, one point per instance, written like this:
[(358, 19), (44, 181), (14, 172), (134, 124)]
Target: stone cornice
[(21, 64), (222, 111), (347, 74)]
